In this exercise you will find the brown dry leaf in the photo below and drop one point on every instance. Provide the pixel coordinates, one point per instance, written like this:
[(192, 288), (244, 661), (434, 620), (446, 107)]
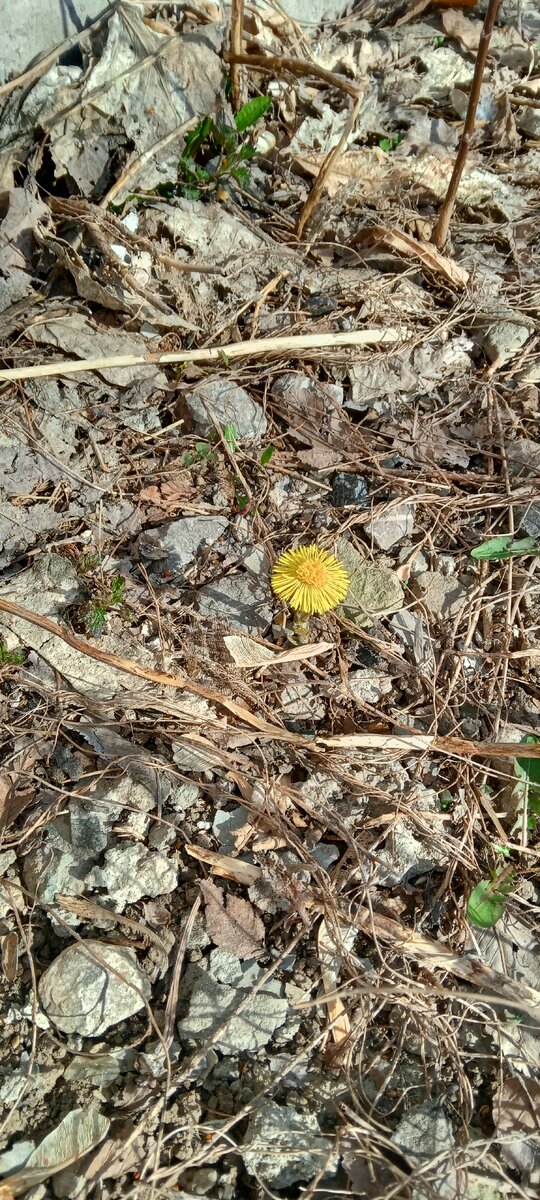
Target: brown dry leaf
[(320, 457), (232, 923), (168, 497), (225, 866), (247, 653), (406, 245), (330, 960), (518, 1123)]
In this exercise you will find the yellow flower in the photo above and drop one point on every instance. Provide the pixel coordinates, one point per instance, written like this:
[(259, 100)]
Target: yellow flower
[(310, 579)]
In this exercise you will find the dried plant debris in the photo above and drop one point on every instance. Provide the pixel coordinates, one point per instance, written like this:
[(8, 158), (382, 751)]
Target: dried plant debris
[(268, 877)]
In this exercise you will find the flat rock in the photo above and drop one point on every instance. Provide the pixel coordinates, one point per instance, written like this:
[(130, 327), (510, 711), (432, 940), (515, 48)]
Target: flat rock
[(230, 405), (442, 595), (392, 526), (350, 489), (83, 995), (283, 1145), (374, 591), (131, 871), (211, 1002), (178, 542), (425, 1133), (504, 339), (368, 686), (238, 600)]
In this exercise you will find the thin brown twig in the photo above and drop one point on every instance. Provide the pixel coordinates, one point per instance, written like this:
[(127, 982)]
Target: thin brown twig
[(318, 186), (440, 233), (297, 66)]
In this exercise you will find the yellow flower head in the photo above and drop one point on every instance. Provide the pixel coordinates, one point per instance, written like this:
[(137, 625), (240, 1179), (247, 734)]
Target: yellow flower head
[(310, 579)]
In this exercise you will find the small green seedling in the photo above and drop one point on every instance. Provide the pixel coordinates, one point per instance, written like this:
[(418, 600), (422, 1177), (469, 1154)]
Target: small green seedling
[(266, 455), (230, 436), (203, 453), (215, 154), (390, 143), (439, 41), (10, 658), (505, 546), (487, 900), (104, 600), (528, 774)]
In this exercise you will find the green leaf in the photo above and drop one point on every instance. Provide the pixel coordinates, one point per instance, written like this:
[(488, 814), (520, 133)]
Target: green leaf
[(230, 434), (505, 546), (529, 768), (439, 41), (251, 112), (225, 136), (267, 455), (245, 153), (388, 144), (486, 904), (195, 139), (117, 589), (94, 621), (241, 174)]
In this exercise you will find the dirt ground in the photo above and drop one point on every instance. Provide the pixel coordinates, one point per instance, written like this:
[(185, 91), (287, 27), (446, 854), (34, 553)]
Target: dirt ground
[(269, 885)]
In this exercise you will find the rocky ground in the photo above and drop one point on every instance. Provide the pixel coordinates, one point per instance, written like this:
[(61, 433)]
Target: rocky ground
[(268, 903)]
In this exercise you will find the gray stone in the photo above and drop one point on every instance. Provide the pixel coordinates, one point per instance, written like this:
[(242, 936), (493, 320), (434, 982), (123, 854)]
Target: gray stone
[(131, 872), (529, 519), (392, 526), (374, 591), (178, 542), (100, 1069), (442, 595), (34, 29), (91, 986), (299, 702), (523, 457), (504, 339), (424, 1133), (368, 686), (230, 405), (57, 866), (325, 853), (183, 797), (237, 600), (211, 1002), (405, 855), (283, 1145), (226, 822)]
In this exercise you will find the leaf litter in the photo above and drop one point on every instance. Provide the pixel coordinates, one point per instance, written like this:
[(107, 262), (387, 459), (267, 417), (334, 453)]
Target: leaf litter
[(268, 902)]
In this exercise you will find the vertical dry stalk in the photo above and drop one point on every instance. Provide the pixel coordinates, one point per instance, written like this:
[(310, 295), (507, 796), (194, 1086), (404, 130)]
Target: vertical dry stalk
[(335, 153), (440, 233), (237, 47)]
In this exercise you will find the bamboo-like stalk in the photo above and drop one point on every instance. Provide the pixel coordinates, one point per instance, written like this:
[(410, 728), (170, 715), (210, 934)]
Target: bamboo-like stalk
[(293, 345)]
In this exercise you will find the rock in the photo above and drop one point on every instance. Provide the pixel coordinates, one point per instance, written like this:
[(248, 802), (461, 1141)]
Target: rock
[(100, 1069), (392, 526), (131, 872), (211, 1002), (405, 855), (350, 489), (504, 339), (299, 702), (85, 996), (424, 1133), (523, 457), (226, 823), (411, 631), (57, 866), (178, 542), (230, 405), (325, 853), (283, 1145), (368, 686), (374, 591), (528, 519), (442, 595), (237, 600)]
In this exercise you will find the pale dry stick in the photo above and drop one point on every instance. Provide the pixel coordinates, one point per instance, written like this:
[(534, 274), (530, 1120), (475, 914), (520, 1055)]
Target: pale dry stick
[(146, 156), (326, 167), (260, 346), (297, 66), (47, 61), (440, 232), (237, 75)]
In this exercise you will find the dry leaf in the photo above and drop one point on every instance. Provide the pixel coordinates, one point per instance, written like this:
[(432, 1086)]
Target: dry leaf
[(330, 959), (406, 245), (225, 865), (232, 923), (247, 653), (518, 1123)]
